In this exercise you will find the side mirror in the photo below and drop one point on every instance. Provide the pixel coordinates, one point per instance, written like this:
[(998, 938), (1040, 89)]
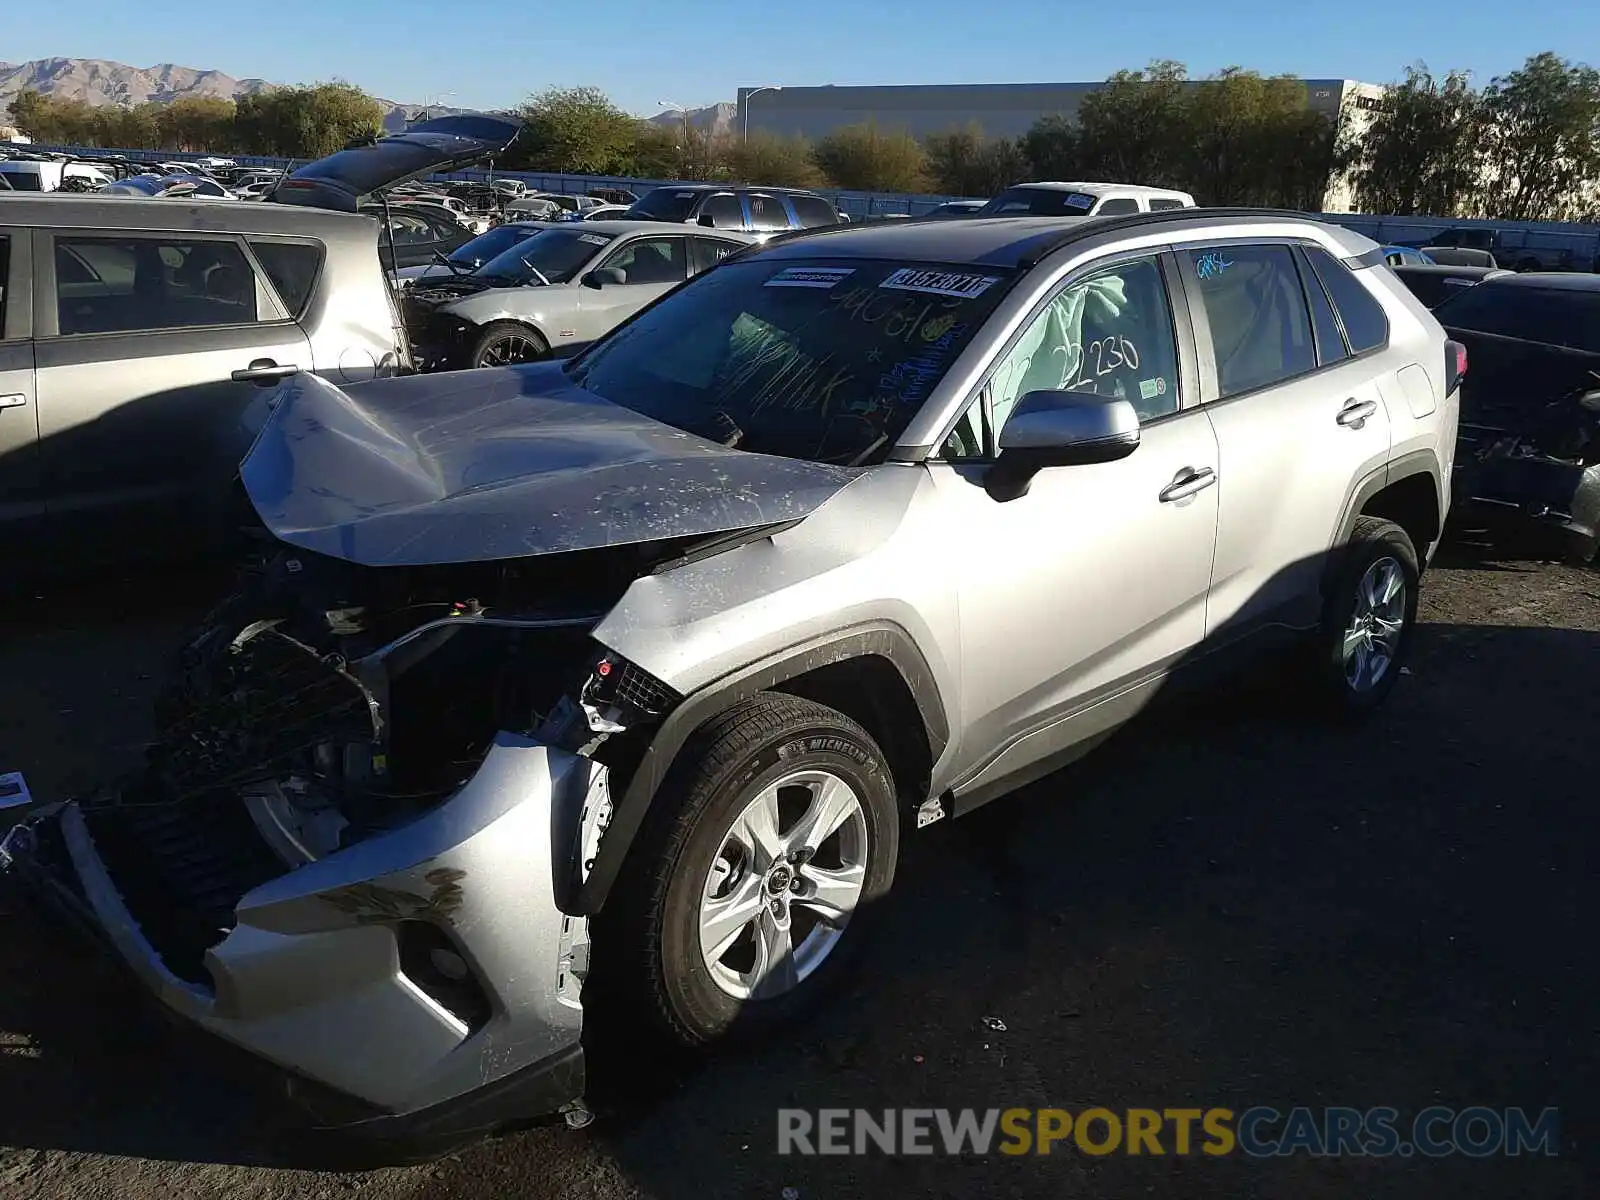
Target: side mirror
[(1059, 429), (708, 220), (598, 278), (1590, 401)]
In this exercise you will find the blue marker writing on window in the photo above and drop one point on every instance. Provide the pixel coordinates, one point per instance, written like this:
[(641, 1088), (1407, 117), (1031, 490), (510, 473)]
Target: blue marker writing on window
[(1209, 266)]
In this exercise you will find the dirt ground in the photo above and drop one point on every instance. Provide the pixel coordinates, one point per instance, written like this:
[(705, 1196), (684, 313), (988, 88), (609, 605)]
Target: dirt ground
[(1225, 906)]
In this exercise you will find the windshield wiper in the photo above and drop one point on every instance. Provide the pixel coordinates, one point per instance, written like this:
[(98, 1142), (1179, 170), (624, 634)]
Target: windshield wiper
[(540, 274), (440, 255)]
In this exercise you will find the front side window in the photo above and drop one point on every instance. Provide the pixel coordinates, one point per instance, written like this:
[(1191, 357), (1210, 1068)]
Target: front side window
[(129, 285), (651, 260), (410, 230), (724, 211), (1108, 335), (826, 360), (1260, 326), (5, 279), (1366, 326), (549, 256)]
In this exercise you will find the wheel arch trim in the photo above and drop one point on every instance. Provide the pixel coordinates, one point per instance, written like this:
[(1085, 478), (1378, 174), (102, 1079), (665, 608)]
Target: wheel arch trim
[(882, 639)]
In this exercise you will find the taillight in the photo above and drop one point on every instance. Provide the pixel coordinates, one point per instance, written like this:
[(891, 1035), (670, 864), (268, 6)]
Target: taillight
[(1455, 366)]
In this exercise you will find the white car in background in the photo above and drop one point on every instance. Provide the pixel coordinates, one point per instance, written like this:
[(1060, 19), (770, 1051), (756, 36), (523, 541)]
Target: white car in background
[(1082, 200)]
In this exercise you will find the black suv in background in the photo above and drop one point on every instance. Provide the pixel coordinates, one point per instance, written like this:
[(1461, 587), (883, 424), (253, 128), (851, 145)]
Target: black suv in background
[(754, 210)]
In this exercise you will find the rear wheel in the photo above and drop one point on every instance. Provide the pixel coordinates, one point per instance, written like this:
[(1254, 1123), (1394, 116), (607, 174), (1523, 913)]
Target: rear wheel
[(751, 883), (504, 343), (1368, 620)]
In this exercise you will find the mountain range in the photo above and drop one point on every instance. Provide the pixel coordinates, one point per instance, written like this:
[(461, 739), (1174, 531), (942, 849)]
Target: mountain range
[(98, 81)]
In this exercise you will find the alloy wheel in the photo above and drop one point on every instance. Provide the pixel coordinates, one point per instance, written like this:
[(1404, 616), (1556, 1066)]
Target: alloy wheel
[(784, 884), (509, 348), (1372, 638)]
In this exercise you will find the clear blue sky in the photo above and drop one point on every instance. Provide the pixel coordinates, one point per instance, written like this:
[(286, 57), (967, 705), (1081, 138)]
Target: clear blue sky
[(695, 52)]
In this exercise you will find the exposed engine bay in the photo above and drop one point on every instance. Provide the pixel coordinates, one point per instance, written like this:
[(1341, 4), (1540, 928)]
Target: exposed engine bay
[(341, 701)]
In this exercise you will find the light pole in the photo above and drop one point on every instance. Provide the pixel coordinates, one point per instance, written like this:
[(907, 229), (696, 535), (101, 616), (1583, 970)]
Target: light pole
[(769, 87)]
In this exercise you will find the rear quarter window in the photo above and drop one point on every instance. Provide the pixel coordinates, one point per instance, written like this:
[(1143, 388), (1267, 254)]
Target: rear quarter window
[(293, 268), (813, 211), (1366, 325)]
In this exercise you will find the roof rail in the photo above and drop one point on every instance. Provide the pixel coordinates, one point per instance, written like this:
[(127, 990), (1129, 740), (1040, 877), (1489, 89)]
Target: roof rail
[(1079, 231)]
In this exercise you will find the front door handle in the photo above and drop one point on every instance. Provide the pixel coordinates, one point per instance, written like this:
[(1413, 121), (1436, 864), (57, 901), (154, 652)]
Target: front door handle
[(1355, 413), (15, 400), (264, 370), (1190, 481)]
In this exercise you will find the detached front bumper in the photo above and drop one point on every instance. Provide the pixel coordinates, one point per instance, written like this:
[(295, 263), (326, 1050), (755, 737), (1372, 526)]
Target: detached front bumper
[(427, 975)]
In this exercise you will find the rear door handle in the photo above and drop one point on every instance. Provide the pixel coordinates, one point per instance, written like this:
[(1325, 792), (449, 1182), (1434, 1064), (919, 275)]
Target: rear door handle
[(1355, 413), (15, 400), (264, 370), (1189, 482)]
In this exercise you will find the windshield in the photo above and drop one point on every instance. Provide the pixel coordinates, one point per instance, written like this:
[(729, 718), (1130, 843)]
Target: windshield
[(665, 204), (824, 360), (556, 255), (489, 245), (1038, 202)]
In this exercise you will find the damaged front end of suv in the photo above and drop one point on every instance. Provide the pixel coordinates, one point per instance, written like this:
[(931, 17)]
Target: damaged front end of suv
[(383, 772)]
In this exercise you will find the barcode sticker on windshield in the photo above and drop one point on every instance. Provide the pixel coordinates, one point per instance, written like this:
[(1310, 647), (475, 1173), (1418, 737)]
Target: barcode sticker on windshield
[(811, 277), (939, 283), (593, 239)]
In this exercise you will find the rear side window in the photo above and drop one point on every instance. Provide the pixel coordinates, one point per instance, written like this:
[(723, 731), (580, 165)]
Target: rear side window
[(708, 252), (813, 211), (767, 212), (1164, 205), (1260, 326), (1118, 206), (130, 285), (1366, 327), (1324, 324), (292, 267)]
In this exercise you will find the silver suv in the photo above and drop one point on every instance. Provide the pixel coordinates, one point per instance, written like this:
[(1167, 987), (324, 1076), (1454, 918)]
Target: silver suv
[(636, 670)]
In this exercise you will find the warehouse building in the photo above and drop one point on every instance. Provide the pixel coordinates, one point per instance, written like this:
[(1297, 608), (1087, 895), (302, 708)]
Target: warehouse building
[(1001, 109)]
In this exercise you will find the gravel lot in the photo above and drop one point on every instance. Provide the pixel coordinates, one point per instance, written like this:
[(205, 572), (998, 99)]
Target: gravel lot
[(1223, 907)]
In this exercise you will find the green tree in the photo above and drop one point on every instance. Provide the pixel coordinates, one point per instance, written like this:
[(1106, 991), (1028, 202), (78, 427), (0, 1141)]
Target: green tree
[(1138, 128), (577, 130), (305, 122), (1233, 128), (1051, 148), (1544, 139), (866, 158), (1423, 151), (30, 112), (193, 123), (963, 162), (773, 160)]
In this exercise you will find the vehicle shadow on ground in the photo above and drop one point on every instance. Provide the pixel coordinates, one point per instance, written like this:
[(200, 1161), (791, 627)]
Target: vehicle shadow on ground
[(1226, 905)]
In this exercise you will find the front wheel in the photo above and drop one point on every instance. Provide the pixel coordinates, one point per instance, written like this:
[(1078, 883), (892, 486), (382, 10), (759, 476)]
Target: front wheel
[(1369, 616), (505, 343), (753, 879)]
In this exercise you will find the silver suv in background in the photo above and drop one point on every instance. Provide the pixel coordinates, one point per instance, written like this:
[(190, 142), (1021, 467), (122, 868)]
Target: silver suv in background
[(754, 210), (139, 339), (633, 671)]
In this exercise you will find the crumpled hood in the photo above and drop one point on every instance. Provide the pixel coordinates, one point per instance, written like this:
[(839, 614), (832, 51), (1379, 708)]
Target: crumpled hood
[(495, 464)]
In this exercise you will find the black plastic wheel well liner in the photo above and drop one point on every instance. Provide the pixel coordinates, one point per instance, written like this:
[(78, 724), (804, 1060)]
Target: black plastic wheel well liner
[(879, 639)]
